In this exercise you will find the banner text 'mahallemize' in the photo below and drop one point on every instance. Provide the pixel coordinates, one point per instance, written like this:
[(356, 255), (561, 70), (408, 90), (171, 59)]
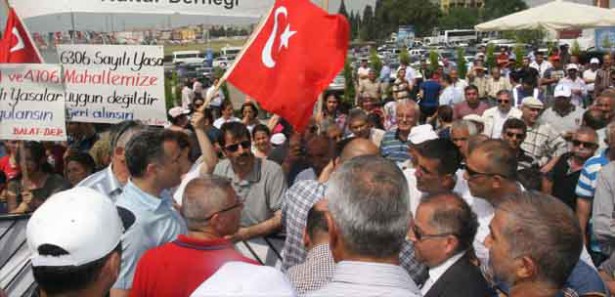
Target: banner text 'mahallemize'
[(226, 4)]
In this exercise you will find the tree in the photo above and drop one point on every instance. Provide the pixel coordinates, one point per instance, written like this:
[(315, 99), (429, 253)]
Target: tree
[(404, 56), (490, 56), (349, 93), (433, 61), (494, 9), (576, 48), (462, 68), (459, 18), (375, 61), (343, 10), (520, 53), (368, 24)]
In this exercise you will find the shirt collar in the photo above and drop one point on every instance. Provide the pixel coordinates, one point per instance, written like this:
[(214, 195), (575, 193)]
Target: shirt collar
[(436, 272), (398, 137), (149, 201), (371, 273), (253, 177), (114, 183)]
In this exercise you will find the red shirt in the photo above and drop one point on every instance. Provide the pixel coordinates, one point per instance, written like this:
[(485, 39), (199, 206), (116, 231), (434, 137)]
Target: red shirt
[(179, 267), (10, 170)]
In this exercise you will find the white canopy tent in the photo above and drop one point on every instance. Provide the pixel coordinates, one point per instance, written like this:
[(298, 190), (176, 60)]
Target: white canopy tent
[(555, 15)]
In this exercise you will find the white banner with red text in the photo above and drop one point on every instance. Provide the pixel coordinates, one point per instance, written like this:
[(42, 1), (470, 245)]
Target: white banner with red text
[(32, 103), (113, 83)]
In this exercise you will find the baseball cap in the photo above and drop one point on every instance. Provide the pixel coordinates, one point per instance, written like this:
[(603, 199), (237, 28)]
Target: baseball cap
[(474, 118), (278, 139), (244, 279), (594, 61), (177, 111), (422, 133), (562, 91), (532, 102), (81, 221), (572, 66)]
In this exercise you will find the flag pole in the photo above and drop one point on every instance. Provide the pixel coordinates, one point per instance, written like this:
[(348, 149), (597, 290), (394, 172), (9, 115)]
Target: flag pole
[(325, 6), (229, 70)]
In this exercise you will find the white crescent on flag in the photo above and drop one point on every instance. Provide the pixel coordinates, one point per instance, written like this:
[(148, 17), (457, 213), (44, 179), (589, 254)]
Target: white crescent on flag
[(20, 45), (266, 54)]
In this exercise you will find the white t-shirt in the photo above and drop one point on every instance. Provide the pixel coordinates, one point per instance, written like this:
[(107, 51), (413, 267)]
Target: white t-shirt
[(217, 99), (590, 75), (415, 195), (498, 123)]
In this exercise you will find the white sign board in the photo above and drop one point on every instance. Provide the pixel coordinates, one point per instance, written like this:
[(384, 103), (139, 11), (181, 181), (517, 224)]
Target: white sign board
[(228, 8), (113, 83), (32, 102)]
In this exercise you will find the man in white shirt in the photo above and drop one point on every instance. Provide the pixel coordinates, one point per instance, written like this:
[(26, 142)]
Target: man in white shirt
[(589, 75), (540, 64), (576, 85), (495, 117), (443, 243), (363, 71), (187, 95)]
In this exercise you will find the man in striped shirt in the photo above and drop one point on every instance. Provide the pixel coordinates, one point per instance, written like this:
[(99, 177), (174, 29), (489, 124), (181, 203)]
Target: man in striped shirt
[(394, 145), (586, 186)]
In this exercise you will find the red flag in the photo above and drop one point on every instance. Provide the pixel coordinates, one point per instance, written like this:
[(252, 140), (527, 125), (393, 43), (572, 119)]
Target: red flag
[(17, 46), (294, 56)]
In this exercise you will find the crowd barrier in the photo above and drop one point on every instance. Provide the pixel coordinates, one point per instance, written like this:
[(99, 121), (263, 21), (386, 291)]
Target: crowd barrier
[(15, 271)]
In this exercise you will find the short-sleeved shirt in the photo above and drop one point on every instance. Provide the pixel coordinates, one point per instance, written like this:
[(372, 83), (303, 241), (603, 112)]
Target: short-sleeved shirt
[(463, 109), (565, 181), (393, 148), (431, 93), (10, 170), (261, 190), (543, 143), (568, 123), (586, 187), (154, 223), (179, 267)]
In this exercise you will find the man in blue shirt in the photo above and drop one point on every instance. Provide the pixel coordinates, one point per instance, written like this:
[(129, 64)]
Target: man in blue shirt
[(394, 144), (429, 95), (154, 159)]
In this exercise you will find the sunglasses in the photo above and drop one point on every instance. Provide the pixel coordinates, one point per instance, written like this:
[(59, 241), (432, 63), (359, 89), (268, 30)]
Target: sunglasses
[(420, 235), (590, 145), (473, 173), (515, 135), (234, 147), (236, 205), (503, 101)]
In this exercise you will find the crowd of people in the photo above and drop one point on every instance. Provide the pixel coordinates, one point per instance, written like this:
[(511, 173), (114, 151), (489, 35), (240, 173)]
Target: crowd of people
[(499, 184)]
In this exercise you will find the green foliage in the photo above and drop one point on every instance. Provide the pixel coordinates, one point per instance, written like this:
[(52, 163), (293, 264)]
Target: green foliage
[(494, 9), (219, 72), (433, 61), (171, 84), (375, 61), (349, 93), (606, 43), (462, 68), (576, 48), (369, 23), (525, 36), (459, 18), (490, 60), (404, 56), (519, 51), (343, 11)]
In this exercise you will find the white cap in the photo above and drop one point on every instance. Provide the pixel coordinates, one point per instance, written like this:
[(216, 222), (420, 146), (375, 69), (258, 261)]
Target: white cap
[(243, 279), (177, 111), (532, 102), (562, 91), (594, 61), (572, 66), (278, 139), (422, 133), (474, 118), (81, 221)]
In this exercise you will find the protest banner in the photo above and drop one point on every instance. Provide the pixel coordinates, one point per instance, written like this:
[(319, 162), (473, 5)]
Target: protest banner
[(32, 102), (113, 83), (227, 8)]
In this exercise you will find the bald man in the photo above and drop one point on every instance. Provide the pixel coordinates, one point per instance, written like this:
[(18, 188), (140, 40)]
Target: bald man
[(212, 210)]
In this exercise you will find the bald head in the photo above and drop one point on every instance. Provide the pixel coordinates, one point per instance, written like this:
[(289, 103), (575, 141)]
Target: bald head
[(203, 196), (358, 147)]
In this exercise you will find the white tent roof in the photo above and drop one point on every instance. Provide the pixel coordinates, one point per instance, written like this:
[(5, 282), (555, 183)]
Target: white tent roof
[(555, 15)]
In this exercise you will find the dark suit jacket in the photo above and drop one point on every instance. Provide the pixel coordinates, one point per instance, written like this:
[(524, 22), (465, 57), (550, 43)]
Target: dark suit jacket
[(461, 280)]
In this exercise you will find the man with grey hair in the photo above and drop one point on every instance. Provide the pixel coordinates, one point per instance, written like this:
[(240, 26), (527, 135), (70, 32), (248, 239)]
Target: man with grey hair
[(461, 130), (495, 117), (442, 231), (394, 145), (111, 180), (368, 220), (212, 210), (534, 242)]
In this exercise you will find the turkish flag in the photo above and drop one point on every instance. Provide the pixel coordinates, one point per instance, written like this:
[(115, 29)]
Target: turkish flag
[(293, 57), (16, 45)]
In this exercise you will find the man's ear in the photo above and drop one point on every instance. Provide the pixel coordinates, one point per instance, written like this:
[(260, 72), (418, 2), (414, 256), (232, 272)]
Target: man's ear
[(306, 239), (525, 268)]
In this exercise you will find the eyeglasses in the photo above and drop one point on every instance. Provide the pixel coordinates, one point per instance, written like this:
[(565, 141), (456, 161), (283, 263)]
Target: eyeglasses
[(473, 173), (420, 235), (515, 135), (236, 205), (234, 147), (503, 101), (590, 145)]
